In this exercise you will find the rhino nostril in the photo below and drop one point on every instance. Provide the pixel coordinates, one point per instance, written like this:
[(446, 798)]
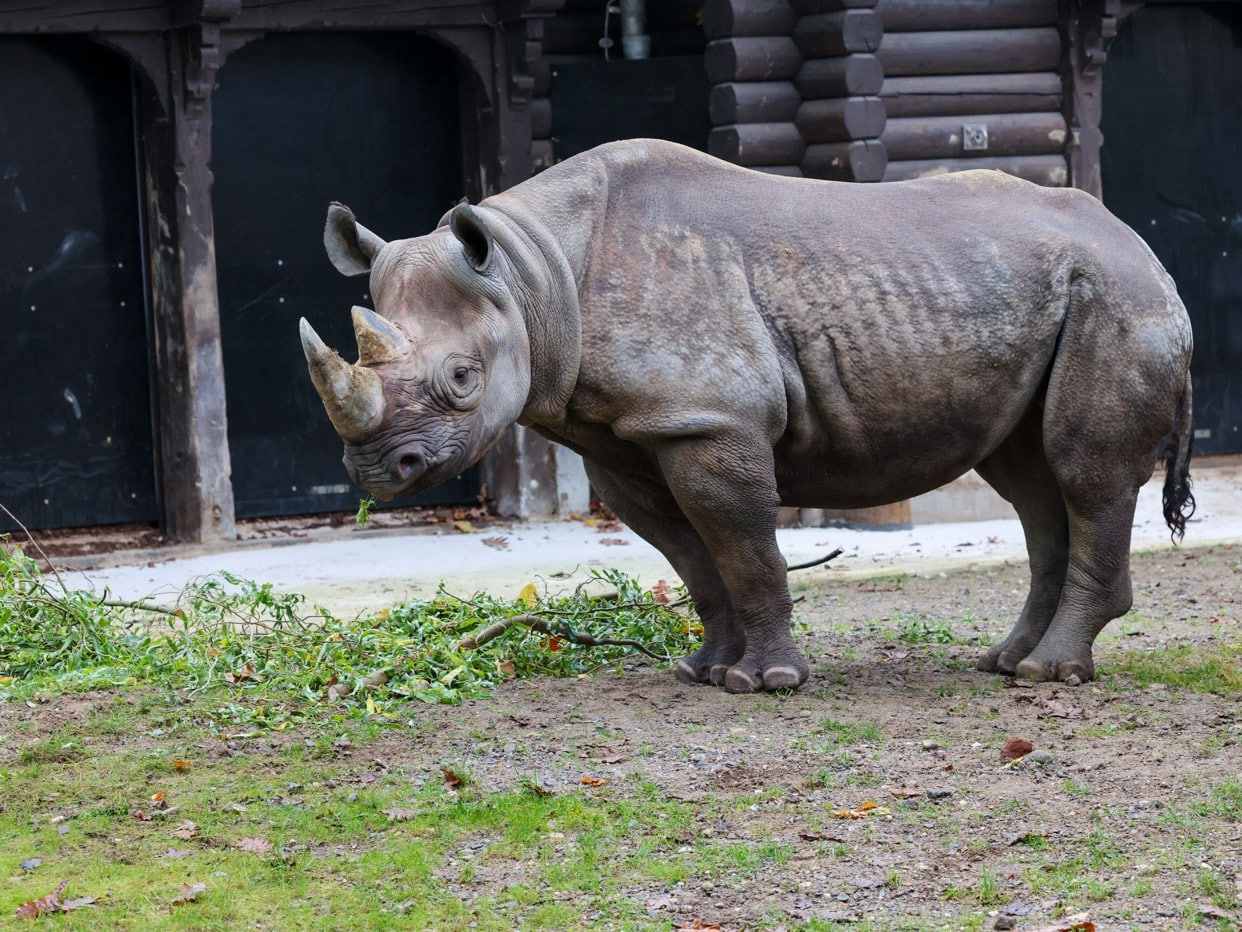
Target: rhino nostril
[(409, 464)]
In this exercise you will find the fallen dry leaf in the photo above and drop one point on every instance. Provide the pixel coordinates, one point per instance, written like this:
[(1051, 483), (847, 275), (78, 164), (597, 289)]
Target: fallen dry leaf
[(465, 527), (861, 812), (496, 543), (1016, 747), (452, 779), (660, 592), (186, 830), (815, 836), (189, 893), (700, 925), (533, 786), (1079, 922), (507, 667), (240, 676), (399, 815), (904, 793), (614, 542), (178, 764), (52, 903), (255, 845), (593, 781)]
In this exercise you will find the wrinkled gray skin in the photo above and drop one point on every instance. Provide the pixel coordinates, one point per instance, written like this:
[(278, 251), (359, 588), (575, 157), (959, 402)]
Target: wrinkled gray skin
[(717, 342)]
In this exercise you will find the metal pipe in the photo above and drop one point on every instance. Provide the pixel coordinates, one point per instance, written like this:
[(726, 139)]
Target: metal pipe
[(634, 39)]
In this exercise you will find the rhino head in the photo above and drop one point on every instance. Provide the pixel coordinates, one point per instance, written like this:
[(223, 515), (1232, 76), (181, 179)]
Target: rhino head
[(443, 361)]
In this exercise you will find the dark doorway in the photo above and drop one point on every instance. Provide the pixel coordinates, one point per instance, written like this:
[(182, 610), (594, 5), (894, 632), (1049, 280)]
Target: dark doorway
[(300, 120), (1170, 167), (75, 437)]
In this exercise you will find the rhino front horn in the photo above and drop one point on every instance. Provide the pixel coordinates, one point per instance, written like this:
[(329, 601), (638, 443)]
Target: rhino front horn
[(352, 395), (378, 339)]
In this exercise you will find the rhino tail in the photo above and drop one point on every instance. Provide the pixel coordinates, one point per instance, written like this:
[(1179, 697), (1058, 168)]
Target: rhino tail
[(1179, 502)]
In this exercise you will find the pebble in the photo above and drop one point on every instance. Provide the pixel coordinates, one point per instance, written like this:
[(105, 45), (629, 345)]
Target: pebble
[(1005, 922), (929, 745)]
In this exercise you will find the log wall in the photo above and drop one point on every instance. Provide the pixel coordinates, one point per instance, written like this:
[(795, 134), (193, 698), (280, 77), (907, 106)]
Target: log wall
[(973, 84)]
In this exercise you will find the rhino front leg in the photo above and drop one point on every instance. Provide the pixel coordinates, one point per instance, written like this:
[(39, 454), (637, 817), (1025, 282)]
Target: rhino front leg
[(727, 489), (652, 512)]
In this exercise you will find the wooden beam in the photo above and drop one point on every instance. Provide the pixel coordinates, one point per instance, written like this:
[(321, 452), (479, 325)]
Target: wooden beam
[(757, 143), (1049, 170), (975, 51), (192, 430), (830, 34), (774, 58), (754, 102), (861, 160), (949, 95), (841, 119), (1007, 134), (850, 76), (728, 18), (922, 16)]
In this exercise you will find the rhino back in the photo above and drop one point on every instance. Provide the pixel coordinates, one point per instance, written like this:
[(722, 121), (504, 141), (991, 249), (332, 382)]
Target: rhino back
[(886, 334)]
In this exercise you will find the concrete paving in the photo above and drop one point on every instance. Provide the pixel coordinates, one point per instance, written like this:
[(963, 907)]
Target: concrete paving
[(349, 570)]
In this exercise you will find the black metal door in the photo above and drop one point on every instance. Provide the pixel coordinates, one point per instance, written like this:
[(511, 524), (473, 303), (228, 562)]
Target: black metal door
[(300, 120), (75, 436), (1172, 169)]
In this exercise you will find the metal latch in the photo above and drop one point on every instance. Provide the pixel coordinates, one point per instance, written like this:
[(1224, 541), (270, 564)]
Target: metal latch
[(974, 136)]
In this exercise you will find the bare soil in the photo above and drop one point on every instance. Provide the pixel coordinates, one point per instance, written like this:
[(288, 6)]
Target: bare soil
[(1117, 811)]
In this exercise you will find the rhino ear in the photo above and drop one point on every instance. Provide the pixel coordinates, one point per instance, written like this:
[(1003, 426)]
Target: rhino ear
[(350, 245), (471, 231)]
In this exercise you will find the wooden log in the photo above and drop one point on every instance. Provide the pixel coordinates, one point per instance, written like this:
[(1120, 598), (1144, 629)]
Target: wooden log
[(840, 119), (724, 18), (831, 34), (1049, 170), (788, 171), (947, 95), (774, 58), (542, 154), (754, 102), (921, 16), (811, 7), (1007, 134), (861, 160), (540, 118), (850, 76), (975, 51), (757, 143)]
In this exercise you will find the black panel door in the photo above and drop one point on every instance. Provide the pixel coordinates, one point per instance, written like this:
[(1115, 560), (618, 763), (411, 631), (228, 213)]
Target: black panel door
[(1172, 169), (300, 120), (75, 434)]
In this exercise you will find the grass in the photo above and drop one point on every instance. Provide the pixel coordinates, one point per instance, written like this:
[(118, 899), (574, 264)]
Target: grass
[(1215, 669), (267, 658)]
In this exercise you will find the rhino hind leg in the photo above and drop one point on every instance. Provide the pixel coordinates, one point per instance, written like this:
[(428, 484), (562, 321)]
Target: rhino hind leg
[(657, 519), (1020, 473)]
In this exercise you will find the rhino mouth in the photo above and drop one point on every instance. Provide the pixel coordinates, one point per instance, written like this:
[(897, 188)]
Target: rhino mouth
[(404, 470)]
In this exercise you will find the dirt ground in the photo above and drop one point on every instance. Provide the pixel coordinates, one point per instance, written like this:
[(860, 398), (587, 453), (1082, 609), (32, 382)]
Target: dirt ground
[(1127, 808)]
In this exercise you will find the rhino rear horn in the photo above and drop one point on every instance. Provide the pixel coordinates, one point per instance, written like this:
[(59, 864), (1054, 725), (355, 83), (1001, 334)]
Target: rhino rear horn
[(378, 339), (352, 395), (351, 246), (471, 231)]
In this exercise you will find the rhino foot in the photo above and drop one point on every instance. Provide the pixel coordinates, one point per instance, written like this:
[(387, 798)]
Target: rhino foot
[(751, 677), (1002, 658), (707, 665), (1045, 666)]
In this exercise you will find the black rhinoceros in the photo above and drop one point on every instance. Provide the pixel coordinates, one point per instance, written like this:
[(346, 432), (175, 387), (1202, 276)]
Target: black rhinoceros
[(717, 342)]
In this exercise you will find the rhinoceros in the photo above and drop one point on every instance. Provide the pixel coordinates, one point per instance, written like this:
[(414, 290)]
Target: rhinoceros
[(717, 342)]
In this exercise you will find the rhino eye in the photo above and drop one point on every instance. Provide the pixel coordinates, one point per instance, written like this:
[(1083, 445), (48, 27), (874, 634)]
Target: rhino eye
[(461, 375)]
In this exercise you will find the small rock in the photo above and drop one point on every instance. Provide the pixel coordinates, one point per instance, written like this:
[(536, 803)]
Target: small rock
[(1041, 758), (930, 745), (939, 794), (1005, 922)]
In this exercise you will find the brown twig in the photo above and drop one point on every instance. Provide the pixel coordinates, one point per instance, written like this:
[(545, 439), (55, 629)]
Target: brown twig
[(543, 626), (810, 563), (42, 553)]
